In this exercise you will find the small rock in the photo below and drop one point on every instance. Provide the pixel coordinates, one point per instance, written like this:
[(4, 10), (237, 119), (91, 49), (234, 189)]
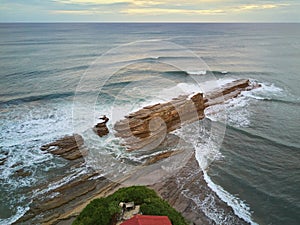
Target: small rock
[(101, 129), (23, 173), (2, 161)]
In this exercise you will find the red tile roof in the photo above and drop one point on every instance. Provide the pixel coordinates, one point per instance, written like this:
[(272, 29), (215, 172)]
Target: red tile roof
[(147, 220)]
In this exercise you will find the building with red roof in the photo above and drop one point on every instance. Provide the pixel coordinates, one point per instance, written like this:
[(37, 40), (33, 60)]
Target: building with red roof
[(147, 220)]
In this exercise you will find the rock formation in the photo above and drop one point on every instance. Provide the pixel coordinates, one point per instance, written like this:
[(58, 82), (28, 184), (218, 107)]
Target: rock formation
[(101, 128), (147, 127), (3, 158), (139, 130), (68, 147), (49, 205), (228, 91), (143, 128)]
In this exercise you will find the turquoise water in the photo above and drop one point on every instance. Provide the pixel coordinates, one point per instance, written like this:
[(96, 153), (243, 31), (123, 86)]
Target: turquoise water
[(41, 65)]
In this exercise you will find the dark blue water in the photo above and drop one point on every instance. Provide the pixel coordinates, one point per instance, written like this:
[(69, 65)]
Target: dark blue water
[(42, 64)]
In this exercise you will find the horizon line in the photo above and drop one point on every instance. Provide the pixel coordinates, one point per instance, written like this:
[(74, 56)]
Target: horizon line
[(137, 22)]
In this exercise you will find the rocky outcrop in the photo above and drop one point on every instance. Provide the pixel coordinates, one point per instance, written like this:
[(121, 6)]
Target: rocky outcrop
[(101, 129), (186, 189), (48, 206), (147, 127), (228, 91), (68, 147), (142, 129)]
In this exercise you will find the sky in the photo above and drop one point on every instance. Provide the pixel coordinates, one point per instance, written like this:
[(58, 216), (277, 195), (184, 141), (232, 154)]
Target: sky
[(149, 11)]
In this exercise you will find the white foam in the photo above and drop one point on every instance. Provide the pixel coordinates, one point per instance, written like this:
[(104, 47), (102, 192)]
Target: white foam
[(183, 89), (207, 150), (24, 129), (76, 173), (22, 134), (240, 208), (20, 212), (200, 72), (266, 91), (237, 111)]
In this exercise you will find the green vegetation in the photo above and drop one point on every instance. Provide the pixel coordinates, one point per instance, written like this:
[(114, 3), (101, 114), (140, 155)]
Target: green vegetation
[(104, 211), (99, 211), (159, 207)]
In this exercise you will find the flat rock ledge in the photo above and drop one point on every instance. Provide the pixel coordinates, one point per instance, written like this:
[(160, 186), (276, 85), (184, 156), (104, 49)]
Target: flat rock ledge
[(68, 147)]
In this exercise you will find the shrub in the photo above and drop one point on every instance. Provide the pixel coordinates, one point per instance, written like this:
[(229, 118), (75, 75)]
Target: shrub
[(137, 194), (104, 211), (157, 206), (98, 212)]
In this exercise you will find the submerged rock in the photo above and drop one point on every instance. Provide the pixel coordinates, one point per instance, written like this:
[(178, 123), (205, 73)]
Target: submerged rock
[(68, 147), (3, 160), (23, 173), (3, 157)]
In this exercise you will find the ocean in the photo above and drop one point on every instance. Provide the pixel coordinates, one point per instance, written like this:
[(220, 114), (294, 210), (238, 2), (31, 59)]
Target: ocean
[(256, 167)]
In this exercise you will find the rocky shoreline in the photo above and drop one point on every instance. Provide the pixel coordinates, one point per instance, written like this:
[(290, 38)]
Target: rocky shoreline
[(186, 194), (65, 200)]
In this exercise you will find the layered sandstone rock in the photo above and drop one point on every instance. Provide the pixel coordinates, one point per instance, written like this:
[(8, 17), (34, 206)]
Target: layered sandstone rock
[(228, 91), (141, 129), (48, 206), (68, 147), (147, 127)]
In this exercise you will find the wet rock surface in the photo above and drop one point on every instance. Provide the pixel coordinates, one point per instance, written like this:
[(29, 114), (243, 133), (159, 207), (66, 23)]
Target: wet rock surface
[(23, 173), (59, 198), (145, 128), (100, 128), (188, 192), (3, 157), (228, 91), (68, 147)]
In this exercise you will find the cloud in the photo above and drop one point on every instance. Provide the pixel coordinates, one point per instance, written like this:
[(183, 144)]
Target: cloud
[(137, 2), (94, 2), (258, 7), (195, 11), (82, 12), (74, 12), (161, 7), (158, 11), (90, 2), (135, 10)]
